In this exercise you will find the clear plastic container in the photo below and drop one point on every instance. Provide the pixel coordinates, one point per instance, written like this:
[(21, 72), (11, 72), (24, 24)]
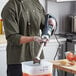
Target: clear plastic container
[(42, 69)]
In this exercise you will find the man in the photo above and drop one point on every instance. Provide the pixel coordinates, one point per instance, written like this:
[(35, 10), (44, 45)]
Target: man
[(22, 21)]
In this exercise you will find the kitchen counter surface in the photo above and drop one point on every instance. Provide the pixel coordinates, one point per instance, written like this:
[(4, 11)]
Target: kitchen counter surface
[(55, 38), (67, 68)]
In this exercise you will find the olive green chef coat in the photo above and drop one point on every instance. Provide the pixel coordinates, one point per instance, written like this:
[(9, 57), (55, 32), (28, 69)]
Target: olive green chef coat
[(22, 17)]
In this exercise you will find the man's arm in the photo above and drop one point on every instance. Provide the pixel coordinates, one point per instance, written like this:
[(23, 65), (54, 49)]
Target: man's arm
[(26, 39)]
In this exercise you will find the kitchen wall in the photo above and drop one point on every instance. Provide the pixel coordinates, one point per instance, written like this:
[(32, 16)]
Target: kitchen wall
[(62, 11), (43, 3), (2, 3)]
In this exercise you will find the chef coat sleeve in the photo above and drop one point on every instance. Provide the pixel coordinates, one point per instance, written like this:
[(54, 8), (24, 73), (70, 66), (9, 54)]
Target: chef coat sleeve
[(11, 26)]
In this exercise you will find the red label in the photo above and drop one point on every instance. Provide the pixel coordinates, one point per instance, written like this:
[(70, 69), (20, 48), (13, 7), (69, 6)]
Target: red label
[(25, 74)]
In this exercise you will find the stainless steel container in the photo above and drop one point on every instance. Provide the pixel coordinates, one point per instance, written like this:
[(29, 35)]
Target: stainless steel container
[(73, 24)]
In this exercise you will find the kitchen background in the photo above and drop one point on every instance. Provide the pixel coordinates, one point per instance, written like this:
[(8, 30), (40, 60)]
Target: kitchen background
[(62, 11)]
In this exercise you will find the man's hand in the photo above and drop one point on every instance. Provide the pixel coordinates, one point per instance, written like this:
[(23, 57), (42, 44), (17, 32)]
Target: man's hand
[(40, 40), (37, 39)]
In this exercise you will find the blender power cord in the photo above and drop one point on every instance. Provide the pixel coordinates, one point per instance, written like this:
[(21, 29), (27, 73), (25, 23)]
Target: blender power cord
[(59, 46)]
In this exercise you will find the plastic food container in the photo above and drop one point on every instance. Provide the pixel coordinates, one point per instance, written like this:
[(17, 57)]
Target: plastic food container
[(42, 69)]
